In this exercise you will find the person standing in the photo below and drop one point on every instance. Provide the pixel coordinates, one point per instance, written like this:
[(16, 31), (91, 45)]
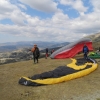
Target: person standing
[(46, 55), (85, 51), (36, 53), (52, 51)]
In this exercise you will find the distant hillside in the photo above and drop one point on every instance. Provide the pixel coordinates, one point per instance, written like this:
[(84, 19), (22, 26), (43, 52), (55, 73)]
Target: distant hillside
[(95, 39), (59, 45), (11, 46), (7, 48), (19, 51), (20, 54)]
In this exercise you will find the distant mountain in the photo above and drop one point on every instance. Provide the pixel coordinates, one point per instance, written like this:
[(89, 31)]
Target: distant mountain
[(11, 46), (55, 47), (59, 45), (7, 48), (20, 51)]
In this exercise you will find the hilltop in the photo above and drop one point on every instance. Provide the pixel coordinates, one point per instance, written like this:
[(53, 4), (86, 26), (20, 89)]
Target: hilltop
[(12, 46), (84, 88), (95, 39)]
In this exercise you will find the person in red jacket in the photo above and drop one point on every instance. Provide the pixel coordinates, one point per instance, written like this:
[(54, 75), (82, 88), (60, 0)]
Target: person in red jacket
[(36, 53)]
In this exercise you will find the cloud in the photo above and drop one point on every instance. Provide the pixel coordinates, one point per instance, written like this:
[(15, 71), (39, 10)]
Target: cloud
[(9, 29), (59, 27), (12, 12), (60, 18), (96, 5), (22, 6), (6, 8), (45, 5), (75, 4)]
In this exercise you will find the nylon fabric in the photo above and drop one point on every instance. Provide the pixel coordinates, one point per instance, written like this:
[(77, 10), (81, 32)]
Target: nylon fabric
[(74, 72)]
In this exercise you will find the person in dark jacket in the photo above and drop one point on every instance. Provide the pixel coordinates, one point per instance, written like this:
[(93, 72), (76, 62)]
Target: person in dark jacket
[(85, 51), (46, 55), (36, 53)]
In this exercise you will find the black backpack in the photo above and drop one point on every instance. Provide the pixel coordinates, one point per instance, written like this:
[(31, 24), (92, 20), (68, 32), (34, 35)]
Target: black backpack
[(37, 52)]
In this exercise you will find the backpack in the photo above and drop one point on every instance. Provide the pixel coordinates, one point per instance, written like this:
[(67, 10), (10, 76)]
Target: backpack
[(37, 52)]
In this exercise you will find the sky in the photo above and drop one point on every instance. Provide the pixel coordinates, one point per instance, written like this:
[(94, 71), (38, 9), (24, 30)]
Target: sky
[(48, 20)]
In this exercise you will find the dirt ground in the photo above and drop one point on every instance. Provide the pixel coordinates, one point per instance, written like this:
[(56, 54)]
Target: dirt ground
[(84, 88)]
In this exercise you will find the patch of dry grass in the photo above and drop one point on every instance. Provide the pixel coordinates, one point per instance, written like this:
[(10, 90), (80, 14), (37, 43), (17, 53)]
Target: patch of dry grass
[(82, 88)]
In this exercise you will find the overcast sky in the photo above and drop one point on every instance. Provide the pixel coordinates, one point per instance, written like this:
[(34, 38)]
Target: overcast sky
[(48, 20)]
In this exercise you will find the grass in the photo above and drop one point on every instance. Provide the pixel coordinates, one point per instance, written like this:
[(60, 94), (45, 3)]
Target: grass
[(84, 88)]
